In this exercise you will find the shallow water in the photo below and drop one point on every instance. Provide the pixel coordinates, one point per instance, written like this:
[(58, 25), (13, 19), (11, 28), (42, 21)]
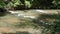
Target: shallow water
[(7, 22)]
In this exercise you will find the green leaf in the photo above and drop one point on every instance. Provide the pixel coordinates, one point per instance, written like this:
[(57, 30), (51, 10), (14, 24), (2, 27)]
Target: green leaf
[(27, 4), (2, 4)]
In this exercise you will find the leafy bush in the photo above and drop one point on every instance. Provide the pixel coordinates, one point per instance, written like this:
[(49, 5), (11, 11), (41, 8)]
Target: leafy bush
[(43, 4), (2, 4)]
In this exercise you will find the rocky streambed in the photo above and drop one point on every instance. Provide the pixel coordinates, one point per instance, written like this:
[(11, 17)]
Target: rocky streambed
[(8, 22)]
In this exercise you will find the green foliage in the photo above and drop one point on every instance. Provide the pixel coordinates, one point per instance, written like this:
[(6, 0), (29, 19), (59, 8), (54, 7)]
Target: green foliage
[(27, 4), (44, 4), (14, 3), (56, 2), (2, 4)]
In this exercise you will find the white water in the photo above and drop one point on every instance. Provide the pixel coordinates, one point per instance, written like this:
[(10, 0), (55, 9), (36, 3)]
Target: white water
[(26, 15)]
